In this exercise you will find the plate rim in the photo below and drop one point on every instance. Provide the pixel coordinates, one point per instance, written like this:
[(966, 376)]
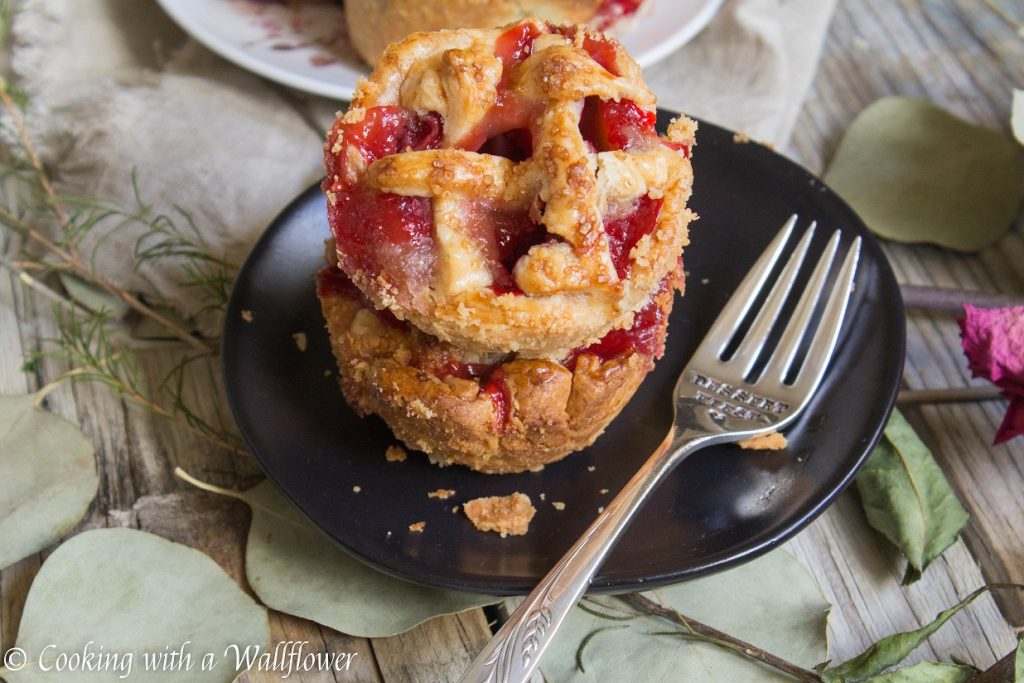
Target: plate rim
[(509, 587), (344, 91)]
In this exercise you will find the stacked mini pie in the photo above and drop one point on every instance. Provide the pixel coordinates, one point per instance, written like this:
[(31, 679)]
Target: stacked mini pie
[(373, 24), (507, 229)]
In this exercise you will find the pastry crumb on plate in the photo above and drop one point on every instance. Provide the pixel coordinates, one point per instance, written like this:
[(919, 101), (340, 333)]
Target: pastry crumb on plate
[(503, 514), (417, 527), (772, 441), (395, 454)]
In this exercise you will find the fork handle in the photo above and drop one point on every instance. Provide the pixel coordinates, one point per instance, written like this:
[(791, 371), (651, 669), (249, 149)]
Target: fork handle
[(514, 651)]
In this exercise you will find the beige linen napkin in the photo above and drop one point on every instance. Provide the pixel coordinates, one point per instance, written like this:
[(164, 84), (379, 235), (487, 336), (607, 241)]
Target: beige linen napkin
[(115, 86)]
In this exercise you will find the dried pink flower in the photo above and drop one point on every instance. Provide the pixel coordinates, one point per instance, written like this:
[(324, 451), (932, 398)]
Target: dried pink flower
[(993, 340)]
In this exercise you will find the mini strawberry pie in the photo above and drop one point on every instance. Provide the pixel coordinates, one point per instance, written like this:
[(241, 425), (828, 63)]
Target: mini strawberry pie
[(373, 24), (506, 190), (507, 235)]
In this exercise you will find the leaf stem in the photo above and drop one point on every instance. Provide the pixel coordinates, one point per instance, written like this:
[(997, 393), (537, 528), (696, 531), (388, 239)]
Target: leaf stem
[(709, 634), (209, 488), (45, 390)]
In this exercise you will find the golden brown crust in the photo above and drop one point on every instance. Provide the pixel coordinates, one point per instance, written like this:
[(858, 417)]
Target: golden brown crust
[(552, 410), (571, 294), (374, 24)]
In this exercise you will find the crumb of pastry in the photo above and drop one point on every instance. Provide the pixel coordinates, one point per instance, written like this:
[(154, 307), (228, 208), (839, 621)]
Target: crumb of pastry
[(418, 527), (455, 509), (300, 340), (504, 514), (590, 468), (395, 454), (603, 491), (741, 138), (357, 489), (600, 509), (247, 316), (388, 534), (558, 505), (441, 494), (543, 496), (772, 441), (328, 373)]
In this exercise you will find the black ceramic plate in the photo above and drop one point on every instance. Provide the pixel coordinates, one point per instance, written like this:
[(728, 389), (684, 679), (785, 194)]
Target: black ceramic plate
[(721, 507)]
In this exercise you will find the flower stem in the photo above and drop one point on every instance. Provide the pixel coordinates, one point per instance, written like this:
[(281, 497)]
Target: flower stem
[(709, 634), (953, 395), (953, 300)]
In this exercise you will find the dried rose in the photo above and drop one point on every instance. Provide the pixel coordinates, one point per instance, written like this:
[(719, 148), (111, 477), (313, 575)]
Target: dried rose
[(993, 340)]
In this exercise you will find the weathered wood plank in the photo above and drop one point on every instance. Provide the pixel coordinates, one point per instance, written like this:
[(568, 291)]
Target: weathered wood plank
[(957, 53), (964, 57), (436, 651)]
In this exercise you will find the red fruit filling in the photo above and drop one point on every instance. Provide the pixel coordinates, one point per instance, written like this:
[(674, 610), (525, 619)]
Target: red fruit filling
[(504, 237), (497, 390), (646, 336), (599, 49), (611, 125), (506, 129), (515, 144), (623, 233), (613, 11), (331, 281), (513, 47), (379, 233)]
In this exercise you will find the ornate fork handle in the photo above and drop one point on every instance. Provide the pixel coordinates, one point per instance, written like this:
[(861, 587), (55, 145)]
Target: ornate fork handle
[(513, 653)]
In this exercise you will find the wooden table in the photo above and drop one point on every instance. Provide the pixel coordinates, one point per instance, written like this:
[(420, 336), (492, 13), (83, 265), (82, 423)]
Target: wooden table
[(960, 54)]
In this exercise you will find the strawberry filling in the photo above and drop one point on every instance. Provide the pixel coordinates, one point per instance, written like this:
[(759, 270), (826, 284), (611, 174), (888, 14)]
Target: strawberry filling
[(612, 11), (646, 336), (381, 234), (599, 49), (623, 233)]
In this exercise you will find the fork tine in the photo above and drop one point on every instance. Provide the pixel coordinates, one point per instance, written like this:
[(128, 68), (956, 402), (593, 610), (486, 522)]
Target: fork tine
[(824, 341), (782, 357), (736, 309), (756, 336)]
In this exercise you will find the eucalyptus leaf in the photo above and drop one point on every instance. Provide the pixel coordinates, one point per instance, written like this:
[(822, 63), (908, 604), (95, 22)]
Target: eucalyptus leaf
[(916, 173), (47, 477), (296, 569), (93, 297), (927, 672), (907, 498), (1017, 116), (771, 602), (129, 593), (892, 650), (1018, 663)]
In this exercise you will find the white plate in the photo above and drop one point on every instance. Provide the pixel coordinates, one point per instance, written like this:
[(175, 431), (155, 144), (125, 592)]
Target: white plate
[(308, 48)]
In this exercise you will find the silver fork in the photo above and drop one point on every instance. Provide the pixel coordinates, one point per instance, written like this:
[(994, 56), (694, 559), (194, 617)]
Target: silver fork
[(715, 401)]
